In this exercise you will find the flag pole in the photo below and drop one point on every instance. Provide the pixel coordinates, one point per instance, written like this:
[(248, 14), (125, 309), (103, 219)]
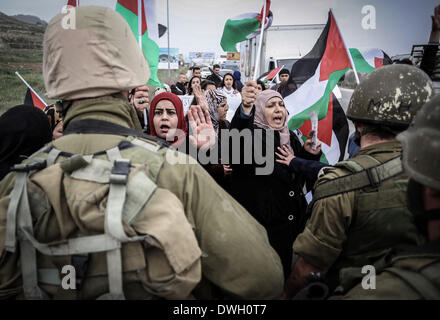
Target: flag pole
[(168, 36), (275, 75), (30, 88), (346, 48), (140, 17), (140, 23), (257, 60)]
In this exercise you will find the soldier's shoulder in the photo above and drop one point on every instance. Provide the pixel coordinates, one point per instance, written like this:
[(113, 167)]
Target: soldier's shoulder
[(331, 173)]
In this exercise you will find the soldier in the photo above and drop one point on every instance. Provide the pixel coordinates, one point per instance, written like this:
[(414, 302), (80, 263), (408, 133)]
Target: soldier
[(415, 274), (359, 209), (105, 201)]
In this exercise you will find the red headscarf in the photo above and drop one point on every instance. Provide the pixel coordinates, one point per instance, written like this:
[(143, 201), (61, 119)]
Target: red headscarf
[(181, 123)]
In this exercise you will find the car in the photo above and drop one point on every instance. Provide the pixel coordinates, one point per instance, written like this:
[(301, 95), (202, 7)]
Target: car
[(205, 72), (222, 72)]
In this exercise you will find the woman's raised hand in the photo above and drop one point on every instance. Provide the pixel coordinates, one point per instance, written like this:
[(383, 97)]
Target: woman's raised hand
[(202, 133)]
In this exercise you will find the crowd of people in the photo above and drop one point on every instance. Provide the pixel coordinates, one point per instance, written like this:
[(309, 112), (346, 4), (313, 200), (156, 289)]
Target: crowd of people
[(120, 186)]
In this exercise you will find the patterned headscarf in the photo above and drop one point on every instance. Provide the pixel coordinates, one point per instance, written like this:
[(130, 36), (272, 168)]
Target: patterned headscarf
[(215, 98), (260, 120)]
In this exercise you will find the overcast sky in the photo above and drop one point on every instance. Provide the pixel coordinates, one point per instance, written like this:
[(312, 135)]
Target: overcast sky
[(197, 25)]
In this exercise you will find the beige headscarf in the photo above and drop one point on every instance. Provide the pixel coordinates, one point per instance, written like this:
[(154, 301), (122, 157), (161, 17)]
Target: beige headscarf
[(260, 120)]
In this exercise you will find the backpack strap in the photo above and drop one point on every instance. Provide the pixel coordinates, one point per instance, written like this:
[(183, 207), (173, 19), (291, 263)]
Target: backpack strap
[(19, 213), (52, 156), (418, 282), (373, 176)]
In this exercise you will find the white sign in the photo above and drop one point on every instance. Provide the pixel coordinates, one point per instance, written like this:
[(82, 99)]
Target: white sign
[(186, 100), (164, 65), (202, 55)]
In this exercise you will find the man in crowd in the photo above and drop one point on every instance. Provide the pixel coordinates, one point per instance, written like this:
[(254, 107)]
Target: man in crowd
[(179, 88), (163, 230), (215, 75), (284, 76), (359, 211), (196, 72)]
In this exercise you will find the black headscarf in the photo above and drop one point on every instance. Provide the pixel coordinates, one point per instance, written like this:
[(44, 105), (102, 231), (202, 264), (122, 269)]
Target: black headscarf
[(23, 130)]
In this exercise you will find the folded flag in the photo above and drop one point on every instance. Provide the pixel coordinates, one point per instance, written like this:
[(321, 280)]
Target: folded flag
[(129, 11), (243, 27)]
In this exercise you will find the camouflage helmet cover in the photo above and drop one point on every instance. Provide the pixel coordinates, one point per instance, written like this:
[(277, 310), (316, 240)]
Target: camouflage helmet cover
[(390, 96), (91, 53)]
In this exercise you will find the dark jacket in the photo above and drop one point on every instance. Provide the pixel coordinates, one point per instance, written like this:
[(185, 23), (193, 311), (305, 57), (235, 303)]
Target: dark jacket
[(277, 200), (215, 78)]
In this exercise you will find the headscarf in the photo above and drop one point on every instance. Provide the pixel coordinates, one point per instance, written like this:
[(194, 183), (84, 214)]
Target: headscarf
[(260, 120), (215, 98), (237, 76), (23, 130), (181, 122)]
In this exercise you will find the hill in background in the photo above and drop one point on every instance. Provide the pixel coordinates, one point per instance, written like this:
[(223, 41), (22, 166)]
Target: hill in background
[(21, 49)]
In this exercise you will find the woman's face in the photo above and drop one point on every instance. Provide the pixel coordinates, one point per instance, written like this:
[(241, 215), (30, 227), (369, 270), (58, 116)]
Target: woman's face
[(165, 119), (228, 82), (222, 111), (259, 88), (195, 81), (275, 112)]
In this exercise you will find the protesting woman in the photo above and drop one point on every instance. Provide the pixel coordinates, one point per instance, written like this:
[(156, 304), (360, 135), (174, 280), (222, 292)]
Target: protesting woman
[(229, 88), (277, 199)]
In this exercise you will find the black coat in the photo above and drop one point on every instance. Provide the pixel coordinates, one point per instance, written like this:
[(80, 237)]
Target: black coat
[(276, 200)]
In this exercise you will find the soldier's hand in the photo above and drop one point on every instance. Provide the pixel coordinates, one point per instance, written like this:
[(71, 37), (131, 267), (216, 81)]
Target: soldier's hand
[(248, 95), (140, 99)]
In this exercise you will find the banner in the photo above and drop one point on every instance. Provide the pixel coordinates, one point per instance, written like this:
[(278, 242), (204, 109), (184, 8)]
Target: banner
[(186, 101)]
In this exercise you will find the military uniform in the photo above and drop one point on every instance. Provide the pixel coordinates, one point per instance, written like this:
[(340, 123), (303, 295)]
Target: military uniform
[(414, 274), (359, 209), (108, 200), (357, 227)]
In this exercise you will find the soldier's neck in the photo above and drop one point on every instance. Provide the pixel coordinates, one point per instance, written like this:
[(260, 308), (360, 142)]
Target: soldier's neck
[(369, 140)]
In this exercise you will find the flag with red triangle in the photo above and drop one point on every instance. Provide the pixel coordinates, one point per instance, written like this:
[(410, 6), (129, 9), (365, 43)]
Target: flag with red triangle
[(32, 99), (316, 75), (272, 74)]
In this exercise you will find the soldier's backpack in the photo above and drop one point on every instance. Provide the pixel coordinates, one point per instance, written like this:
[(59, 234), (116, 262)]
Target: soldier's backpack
[(97, 227)]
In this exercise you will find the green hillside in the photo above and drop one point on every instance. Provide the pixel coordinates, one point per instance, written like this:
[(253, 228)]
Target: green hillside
[(21, 49)]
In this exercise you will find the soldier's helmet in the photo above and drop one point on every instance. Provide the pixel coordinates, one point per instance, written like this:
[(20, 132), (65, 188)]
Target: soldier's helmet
[(390, 96), (89, 52), (421, 145)]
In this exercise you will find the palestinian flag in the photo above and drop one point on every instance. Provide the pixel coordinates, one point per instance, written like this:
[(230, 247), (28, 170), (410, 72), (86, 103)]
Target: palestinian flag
[(368, 60), (333, 132), (272, 74), (32, 99), (129, 10), (243, 27), (319, 72)]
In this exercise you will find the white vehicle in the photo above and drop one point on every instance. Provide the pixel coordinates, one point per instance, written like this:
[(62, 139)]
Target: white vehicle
[(205, 72), (282, 45)]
